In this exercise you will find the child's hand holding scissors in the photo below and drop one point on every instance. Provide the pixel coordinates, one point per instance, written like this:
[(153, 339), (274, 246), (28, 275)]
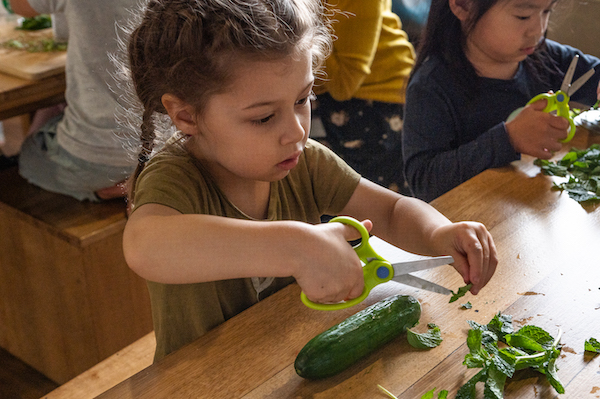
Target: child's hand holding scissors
[(537, 133), (330, 270)]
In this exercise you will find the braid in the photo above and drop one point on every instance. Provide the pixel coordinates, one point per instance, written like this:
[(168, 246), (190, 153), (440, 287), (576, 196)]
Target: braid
[(147, 139)]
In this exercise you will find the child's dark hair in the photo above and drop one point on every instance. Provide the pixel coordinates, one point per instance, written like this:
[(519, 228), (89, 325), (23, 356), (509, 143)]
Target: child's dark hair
[(444, 37), (189, 48)]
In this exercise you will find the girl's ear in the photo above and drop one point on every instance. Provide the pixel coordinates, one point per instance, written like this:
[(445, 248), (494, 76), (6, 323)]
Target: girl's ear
[(460, 8), (181, 113)]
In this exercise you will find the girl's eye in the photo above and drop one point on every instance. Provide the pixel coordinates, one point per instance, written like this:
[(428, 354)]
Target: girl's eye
[(263, 120), (522, 18), (304, 100)]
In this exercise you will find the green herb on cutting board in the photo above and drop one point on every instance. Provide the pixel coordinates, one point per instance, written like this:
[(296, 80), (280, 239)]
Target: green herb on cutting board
[(592, 345), (427, 340), (460, 293), (34, 46), (582, 168)]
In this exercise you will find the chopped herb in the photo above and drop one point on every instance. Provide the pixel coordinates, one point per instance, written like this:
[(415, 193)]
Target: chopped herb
[(34, 46), (460, 293), (582, 168), (592, 345), (430, 339), (443, 394), (385, 391), (466, 305), (38, 22)]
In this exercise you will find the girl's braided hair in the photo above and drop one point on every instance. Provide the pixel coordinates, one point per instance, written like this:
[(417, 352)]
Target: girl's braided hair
[(189, 48)]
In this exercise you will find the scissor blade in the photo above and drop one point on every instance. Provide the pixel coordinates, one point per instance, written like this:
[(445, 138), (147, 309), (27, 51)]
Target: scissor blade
[(566, 83), (418, 282), (580, 82), (410, 266)]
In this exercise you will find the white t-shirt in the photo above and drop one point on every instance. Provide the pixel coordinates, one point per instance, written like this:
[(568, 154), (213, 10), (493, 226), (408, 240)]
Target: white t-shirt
[(88, 128)]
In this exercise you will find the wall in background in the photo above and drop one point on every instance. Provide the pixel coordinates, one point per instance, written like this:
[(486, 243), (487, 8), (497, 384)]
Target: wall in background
[(577, 24)]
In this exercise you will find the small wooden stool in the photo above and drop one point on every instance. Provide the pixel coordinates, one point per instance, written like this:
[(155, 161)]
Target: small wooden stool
[(68, 300)]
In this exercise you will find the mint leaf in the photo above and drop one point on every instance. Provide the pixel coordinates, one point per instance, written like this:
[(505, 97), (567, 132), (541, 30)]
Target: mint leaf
[(592, 345), (460, 293), (430, 339)]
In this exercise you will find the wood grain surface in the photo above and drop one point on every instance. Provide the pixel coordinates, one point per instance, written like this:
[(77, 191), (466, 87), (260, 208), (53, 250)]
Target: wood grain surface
[(548, 275)]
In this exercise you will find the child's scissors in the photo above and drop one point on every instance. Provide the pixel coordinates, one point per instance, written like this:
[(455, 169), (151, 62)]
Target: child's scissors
[(377, 270), (559, 101)]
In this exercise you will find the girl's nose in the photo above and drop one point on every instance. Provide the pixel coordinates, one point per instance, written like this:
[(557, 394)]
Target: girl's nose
[(296, 130), (539, 25)]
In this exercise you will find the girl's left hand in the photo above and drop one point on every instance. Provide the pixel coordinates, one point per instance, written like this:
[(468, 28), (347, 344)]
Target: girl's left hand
[(473, 249)]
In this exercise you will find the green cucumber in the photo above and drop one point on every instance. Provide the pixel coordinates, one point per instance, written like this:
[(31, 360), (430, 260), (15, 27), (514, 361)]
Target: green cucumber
[(359, 335)]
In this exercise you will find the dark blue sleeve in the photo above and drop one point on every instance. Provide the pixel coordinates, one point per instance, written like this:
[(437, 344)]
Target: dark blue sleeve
[(436, 156), (563, 55)]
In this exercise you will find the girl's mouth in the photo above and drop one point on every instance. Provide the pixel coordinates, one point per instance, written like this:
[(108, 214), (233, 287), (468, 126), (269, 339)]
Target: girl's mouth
[(290, 163)]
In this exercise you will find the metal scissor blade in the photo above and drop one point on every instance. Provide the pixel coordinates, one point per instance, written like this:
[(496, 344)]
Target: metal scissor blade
[(580, 82), (566, 83), (418, 282), (410, 266)]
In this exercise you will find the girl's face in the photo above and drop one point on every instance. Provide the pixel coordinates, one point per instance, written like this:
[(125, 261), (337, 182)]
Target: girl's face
[(257, 128), (506, 34)]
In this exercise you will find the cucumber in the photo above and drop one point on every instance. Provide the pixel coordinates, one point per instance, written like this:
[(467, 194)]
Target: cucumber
[(359, 335)]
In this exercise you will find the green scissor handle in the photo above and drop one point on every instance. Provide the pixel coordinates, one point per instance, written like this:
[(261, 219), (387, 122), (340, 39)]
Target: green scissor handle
[(376, 270), (558, 101)]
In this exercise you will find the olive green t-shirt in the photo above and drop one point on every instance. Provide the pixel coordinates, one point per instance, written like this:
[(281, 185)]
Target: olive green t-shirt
[(320, 184)]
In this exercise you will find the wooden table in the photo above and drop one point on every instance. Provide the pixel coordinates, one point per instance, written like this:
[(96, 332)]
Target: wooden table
[(548, 275)]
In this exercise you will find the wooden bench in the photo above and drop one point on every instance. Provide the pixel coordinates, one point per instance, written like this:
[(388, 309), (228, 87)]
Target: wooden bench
[(110, 372), (67, 298)]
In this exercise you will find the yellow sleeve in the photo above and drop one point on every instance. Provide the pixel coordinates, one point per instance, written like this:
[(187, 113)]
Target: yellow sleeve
[(357, 30)]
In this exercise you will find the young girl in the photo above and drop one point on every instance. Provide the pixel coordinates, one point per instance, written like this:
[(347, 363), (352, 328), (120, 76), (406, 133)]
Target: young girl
[(480, 60), (228, 211)]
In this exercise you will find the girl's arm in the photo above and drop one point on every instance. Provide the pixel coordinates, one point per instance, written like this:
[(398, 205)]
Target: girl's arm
[(438, 153), (163, 245), (417, 227)]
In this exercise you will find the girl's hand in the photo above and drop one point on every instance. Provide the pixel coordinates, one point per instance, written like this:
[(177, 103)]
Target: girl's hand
[(329, 269), (537, 133), (473, 249)]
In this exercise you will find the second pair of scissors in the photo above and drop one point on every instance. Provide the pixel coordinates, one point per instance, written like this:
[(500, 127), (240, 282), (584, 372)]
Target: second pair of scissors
[(378, 270), (559, 101)]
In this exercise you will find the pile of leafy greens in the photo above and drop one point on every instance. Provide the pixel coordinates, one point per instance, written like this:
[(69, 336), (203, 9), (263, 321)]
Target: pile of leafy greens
[(582, 168), (500, 351)]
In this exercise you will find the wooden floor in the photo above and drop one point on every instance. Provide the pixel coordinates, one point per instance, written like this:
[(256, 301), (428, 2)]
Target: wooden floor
[(19, 381)]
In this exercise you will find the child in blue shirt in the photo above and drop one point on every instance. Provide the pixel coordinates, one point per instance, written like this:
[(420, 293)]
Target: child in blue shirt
[(478, 62)]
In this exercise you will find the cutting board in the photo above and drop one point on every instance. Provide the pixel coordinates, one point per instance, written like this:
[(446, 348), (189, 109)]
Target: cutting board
[(24, 64)]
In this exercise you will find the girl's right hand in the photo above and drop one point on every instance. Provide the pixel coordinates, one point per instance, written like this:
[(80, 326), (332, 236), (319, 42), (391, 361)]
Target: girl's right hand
[(537, 133), (329, 269)]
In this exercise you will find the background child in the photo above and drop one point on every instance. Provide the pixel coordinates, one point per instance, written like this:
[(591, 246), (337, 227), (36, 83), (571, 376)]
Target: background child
[(76, 152), (229, 210), (361, 98), (478, 62)]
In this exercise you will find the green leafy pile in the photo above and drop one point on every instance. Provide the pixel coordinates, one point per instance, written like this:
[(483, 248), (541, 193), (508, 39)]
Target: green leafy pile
[(582, 168), (38, 22), (529, 347)]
